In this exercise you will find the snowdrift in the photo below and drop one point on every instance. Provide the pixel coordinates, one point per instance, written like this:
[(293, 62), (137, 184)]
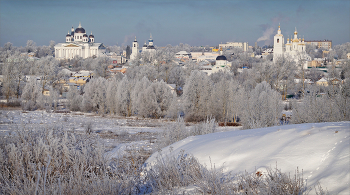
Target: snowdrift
[(321, 150)]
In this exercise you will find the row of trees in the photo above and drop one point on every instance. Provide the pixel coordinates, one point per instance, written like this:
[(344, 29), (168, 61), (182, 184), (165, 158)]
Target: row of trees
[(223, 99)]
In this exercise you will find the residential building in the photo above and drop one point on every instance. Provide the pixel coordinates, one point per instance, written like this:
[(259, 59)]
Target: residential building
[(242, 45), (325, 44)]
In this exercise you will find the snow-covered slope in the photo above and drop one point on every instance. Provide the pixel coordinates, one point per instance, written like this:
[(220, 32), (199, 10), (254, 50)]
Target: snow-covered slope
[(321, 150)]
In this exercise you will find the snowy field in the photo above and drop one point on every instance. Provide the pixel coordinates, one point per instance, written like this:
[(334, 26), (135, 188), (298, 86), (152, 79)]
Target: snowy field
[(119, 133), (320, 150)]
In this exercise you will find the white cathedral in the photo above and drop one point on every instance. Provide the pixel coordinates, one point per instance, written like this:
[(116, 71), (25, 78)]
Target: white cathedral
[(293, 49), (145, 48), (78, 43)]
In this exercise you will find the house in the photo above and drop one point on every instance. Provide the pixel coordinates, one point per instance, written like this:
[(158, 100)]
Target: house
[(322, 82), (46, 92), (335, 81), (318, 62), (118, 69)]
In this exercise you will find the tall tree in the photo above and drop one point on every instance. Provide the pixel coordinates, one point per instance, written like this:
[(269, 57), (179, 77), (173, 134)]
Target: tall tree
[(32, 95), (123, 97), (197, 96), (262, 106)]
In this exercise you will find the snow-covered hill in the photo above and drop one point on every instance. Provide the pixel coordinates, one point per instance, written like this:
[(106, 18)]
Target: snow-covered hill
[(321, 150)]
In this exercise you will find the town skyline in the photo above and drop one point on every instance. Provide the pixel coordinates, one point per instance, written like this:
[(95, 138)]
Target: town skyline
[(198, 23)]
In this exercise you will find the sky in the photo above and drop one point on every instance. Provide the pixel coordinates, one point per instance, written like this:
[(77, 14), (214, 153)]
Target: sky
[(194, 22)]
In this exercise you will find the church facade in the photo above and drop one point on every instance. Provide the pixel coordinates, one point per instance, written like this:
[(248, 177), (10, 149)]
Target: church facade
[(145, 48), (79, 44), (294, 48)]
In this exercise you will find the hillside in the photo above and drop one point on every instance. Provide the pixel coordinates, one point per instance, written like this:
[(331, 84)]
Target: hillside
[(321, 150)]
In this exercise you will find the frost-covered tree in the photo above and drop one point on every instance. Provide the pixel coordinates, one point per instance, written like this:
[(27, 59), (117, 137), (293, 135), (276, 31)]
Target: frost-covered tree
[(31, 46), (74, 99), (149, 72), (155, 100), (32, 97), (175, 108), (94, 97), (137, 94), (100, 66), (47, 68), (261, 107), (197, 96), (221, 100), (9, 75), (177, 76), (111, 92), (342, 50), (123, 97), (315, 107)]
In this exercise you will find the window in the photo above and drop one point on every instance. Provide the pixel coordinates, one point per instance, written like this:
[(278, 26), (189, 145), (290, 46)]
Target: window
[(278, 40)]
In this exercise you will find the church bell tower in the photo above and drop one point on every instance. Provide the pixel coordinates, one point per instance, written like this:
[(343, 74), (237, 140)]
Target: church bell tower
[(278, 44)]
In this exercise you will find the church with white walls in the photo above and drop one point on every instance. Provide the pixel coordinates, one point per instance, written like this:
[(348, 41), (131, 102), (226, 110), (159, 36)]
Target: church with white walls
[(79, 44), (294, 48), (145, 48)]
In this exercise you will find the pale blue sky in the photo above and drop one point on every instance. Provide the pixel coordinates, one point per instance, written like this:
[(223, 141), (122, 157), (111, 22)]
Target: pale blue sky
[(173, 21)]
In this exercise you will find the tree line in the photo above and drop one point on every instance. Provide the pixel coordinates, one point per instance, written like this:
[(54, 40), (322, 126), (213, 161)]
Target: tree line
[(251, 96)]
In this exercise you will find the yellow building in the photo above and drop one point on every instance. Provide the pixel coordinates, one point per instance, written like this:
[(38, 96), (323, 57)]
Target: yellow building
[(322, 82)]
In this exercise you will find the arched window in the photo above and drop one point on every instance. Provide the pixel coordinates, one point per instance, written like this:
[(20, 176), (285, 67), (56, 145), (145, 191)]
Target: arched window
[(278, 40)]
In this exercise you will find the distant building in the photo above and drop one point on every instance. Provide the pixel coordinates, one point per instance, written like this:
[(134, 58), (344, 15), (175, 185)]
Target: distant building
[(322, 82), (201, 56), (294, 49), (267, 51), (183, 55), (242, 45), (221, 63), (134, 50), (325, 44), (145, 48), (78, 43), (318, 62)]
